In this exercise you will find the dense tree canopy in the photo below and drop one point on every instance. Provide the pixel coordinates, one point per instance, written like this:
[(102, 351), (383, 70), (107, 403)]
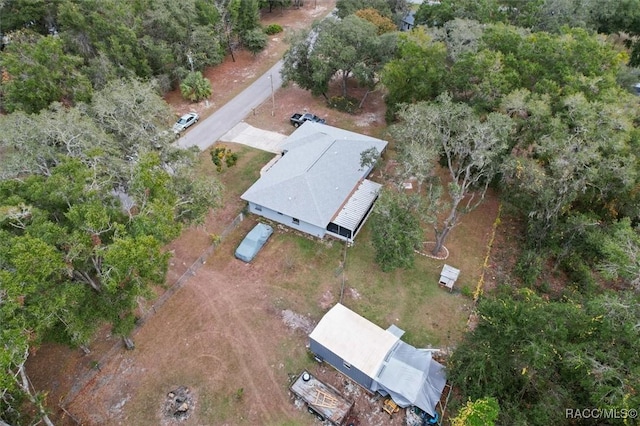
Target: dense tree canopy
[(416, 73), (470, 147), (88, 197), (607, 16), (396, 230), (349, 7), (570, 171), (575, 147), (48, 75), (344, 47), (539, 357), (85, 44)]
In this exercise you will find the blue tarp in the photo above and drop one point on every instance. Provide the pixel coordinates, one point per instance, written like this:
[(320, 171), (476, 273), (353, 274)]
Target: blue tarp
[(253, 242)]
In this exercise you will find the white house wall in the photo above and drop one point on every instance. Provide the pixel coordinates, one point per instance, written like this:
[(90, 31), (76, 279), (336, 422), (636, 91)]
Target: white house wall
[(275, 216)]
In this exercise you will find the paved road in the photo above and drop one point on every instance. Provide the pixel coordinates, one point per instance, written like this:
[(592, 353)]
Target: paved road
[(208, 131)]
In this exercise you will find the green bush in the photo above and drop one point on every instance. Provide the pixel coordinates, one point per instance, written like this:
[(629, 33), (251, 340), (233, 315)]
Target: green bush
[(195, 87), (254, 41), (467, 292), (273, 29), (529, 267), (344, 104), (222, 154), (579, 273), (231, 159)]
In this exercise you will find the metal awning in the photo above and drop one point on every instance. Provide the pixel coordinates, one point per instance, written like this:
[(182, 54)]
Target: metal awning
[(358, 205)]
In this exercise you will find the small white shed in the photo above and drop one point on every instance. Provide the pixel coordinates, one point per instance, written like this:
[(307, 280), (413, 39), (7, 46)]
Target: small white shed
[(448, 276)]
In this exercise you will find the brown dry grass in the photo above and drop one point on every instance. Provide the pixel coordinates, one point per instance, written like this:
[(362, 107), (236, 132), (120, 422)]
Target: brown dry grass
[(223, 330)]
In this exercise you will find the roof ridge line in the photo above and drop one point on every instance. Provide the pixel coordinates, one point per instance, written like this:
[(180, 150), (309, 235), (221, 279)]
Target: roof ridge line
[(319, 157)]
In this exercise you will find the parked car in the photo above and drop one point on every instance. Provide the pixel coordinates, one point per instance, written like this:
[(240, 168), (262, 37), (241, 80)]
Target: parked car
[(253, 242), (297, 119), (185, 121)]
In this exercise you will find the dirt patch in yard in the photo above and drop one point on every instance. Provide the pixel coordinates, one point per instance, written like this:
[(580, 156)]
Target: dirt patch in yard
[(58, 370), (228, 335), (237, 72), (274, 114)]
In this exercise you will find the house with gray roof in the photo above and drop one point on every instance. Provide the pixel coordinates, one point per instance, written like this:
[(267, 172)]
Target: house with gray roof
[(318, 186)]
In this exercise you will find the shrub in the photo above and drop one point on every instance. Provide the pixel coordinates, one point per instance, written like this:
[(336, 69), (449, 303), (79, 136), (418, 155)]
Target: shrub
[(529, 267), (231, 159), (273, 29), (579, 273), (344, 104), (254, 40), (222, 154), (195, 87)]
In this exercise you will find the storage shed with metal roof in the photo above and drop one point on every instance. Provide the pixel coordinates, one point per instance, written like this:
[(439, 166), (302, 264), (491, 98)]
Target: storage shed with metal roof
[(377, 359)]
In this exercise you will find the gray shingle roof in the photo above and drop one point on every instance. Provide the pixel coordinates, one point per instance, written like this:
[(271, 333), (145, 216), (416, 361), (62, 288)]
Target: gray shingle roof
[(319, 171)]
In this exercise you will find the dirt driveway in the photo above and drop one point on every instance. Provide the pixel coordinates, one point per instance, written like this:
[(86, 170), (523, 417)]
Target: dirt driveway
[(223, 335), (218, 334), (226, 336)]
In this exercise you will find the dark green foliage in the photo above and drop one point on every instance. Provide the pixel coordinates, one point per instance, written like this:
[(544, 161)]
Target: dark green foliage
[(231, 159), (538, 357), (349, 48), (571, 170), (95, 258), (37, 71), (273, 29), (98, 41), (195, 87), (18, 14), (207, 12), (255, 40), (344, 104), (579, 273), (300, 66), (416, 73), (222, 155), (92, 26), (447, 10), (396, 231), (529, 267), (538, 15), (612, 17), (615, 250), (278, 3), (245, 15), (349, 7)]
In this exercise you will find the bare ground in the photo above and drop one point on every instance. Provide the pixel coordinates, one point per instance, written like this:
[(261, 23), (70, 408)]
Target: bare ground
[(179, 341), (223, 334)]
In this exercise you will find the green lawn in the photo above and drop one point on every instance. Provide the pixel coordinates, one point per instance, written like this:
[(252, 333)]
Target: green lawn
[(307, 276), (411, 298)]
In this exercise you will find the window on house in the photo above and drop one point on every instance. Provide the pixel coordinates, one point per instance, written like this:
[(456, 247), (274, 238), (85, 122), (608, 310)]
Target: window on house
[(280, 213), (296, 221), (258, 208), (346, 365)]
